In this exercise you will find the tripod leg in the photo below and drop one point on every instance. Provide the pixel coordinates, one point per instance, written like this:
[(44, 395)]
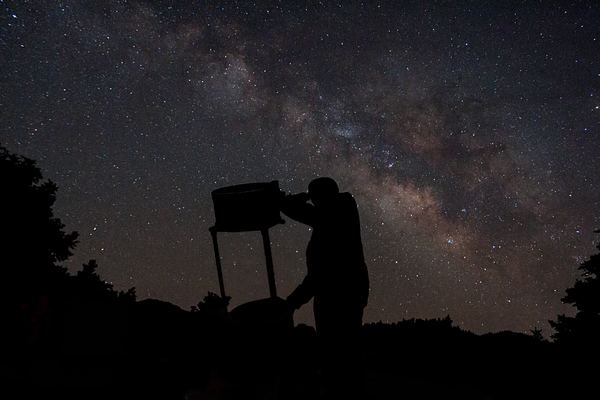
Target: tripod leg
[(269, 257), (218, 259)]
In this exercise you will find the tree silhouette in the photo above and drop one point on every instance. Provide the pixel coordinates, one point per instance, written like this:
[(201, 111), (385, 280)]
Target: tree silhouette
[(128, 296), (213, 305), (584, 328), (89, 277), (40, 299), (33, 239), (537, 334), (33, 242), (92, 282)]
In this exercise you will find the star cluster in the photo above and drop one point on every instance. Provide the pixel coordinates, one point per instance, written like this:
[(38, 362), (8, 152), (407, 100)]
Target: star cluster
[(468, 134)]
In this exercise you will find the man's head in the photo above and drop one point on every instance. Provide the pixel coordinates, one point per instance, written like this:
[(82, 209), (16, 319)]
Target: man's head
[(322, 190)]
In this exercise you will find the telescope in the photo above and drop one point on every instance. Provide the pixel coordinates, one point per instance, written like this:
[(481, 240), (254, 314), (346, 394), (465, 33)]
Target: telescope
[(244, 208)]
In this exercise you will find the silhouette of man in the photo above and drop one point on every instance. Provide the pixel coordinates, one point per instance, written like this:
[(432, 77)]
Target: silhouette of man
[(336, 277)]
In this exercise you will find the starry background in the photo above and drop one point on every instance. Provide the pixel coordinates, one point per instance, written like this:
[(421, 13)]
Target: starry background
[(468, 133)]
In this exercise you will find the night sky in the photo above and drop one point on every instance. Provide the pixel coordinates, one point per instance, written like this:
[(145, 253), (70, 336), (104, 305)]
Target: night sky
[(468, 133)]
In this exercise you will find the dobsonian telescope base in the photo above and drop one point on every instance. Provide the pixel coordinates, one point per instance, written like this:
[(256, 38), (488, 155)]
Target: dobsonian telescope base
[(268, 256), (269, 259)]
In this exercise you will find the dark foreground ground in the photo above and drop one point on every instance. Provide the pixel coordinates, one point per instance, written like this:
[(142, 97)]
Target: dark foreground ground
[(43, 378), (154, 350), (396, 377)]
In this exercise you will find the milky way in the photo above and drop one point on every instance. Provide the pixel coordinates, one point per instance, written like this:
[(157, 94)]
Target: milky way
[(468, 134)]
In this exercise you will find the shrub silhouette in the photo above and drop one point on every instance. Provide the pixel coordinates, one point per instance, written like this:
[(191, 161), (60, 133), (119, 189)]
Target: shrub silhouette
[(97, 289), (583, 329), (212, 304)]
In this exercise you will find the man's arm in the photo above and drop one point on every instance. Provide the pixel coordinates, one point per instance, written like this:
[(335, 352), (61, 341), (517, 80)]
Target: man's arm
[(303, 293), (296, 207)]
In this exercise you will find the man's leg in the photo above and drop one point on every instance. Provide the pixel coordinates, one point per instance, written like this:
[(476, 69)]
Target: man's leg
[(339, 334)]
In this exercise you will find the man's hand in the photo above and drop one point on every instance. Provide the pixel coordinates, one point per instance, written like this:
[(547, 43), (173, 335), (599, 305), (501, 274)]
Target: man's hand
[(291, 199), (284, 312), (303, 197), (296, 207)]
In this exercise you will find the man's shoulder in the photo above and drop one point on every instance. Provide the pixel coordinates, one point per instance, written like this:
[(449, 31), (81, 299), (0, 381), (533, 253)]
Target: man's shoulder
[(346, 198), (344, 203)]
